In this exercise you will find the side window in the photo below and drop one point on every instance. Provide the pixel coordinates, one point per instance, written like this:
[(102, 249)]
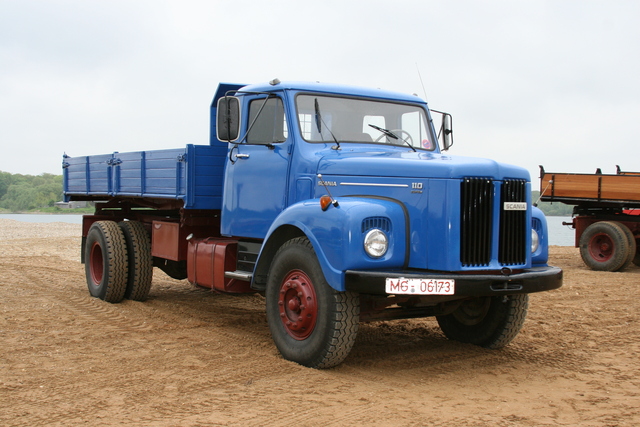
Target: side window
[(270, 124)]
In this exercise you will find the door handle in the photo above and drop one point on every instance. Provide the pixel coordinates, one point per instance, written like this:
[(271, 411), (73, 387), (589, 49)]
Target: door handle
[(233, 157)]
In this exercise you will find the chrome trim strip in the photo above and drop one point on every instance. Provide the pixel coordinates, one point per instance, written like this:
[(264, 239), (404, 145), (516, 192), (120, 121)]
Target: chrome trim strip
[(369, 184)]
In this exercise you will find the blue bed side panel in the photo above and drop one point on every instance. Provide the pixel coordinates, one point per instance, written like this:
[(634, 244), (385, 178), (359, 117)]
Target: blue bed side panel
[(193, 174), (87, 175)]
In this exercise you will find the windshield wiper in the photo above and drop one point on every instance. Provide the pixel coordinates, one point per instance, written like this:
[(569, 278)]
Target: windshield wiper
[(319, 120), (390, 134), (385, 131)]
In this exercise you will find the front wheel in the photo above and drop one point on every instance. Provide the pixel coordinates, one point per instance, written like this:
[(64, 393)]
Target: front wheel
[(311, 323), (491, 322)]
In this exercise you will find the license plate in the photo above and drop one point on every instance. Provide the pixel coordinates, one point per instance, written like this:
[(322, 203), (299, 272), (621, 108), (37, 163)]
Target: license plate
[(402, 286)]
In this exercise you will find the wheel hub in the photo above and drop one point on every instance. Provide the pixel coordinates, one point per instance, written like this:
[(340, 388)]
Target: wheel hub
[(472, 312), (96, 264), (601, 247), (297, 305)]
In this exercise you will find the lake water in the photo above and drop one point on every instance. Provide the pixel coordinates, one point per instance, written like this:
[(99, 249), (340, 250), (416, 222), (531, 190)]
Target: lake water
[(559, 235)]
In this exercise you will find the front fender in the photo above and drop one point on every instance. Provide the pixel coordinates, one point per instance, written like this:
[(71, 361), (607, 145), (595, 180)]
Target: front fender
[(337, 235), (539, 223)]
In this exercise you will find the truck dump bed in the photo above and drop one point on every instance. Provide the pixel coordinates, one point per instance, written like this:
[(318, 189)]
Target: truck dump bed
[(193, 174), (622, 188)]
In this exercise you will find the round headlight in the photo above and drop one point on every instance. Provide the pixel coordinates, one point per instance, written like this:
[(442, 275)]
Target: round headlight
[(535, 240), (376, 243)]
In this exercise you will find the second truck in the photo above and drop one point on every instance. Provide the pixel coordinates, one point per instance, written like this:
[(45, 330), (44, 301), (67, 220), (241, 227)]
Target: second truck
[(336, 203), (606, 210)]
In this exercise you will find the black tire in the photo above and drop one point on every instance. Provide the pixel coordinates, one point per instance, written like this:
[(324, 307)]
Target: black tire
[(604, 246), (311, 323), (631, 252), (636, 259), (106, 262), (490, 322), (140, 260)]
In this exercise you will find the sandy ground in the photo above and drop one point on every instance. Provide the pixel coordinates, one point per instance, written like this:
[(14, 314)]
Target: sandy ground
[(189, 357)]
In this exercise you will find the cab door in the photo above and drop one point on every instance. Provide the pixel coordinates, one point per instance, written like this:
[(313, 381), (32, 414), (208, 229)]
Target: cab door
[(257, 170)]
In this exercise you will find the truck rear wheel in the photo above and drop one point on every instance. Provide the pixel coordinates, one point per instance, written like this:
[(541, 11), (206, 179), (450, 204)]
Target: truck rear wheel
[(106, 263), (604, 246), (140, 260), (311, 323), (490, 322)]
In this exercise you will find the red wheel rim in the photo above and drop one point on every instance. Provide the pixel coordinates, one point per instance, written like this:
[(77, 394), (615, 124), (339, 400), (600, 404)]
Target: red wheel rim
[(96, 264), (297, 305), (601, 247)]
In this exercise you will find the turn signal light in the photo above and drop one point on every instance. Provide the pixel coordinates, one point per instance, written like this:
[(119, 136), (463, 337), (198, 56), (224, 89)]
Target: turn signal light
[(325, 201)]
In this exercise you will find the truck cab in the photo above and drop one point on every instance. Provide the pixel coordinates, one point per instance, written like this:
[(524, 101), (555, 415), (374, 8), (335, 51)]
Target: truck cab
[(373, 148)]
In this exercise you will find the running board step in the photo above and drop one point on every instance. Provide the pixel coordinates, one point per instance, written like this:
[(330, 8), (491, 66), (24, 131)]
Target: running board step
[(239, 275)]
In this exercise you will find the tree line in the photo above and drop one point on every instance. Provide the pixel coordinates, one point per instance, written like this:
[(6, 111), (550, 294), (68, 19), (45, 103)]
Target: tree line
[(551, 209), (21, 193)]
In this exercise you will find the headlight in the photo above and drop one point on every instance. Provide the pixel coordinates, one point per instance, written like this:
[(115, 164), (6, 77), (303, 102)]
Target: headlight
[(535, 240), (376, 243)]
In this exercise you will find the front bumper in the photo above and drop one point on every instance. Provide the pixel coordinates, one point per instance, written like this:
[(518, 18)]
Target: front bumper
[(537, 279)]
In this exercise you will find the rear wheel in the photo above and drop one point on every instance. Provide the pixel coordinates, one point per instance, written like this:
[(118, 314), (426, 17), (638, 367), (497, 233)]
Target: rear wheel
[(636, 259), (631, 252), (106, 263), (310, 322), (490, 322), (140, 260), (604, 246)]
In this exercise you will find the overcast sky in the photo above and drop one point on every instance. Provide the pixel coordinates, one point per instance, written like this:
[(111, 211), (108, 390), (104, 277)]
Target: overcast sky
[(553, 83)]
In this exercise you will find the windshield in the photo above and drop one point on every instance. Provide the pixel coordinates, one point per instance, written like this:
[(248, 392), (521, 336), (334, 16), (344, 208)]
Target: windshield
[(335, 119)]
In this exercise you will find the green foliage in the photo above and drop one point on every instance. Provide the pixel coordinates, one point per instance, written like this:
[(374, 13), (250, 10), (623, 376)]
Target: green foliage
[(552, 209), (58, 210), (20, 193)]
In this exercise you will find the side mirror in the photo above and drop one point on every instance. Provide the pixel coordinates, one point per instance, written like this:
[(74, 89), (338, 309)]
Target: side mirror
[(228, 119), (447, 131)]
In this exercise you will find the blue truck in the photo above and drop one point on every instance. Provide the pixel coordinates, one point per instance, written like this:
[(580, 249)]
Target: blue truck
[(336, 203)]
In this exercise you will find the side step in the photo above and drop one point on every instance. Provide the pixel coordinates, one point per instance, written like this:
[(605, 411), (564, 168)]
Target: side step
[(239, 275)]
